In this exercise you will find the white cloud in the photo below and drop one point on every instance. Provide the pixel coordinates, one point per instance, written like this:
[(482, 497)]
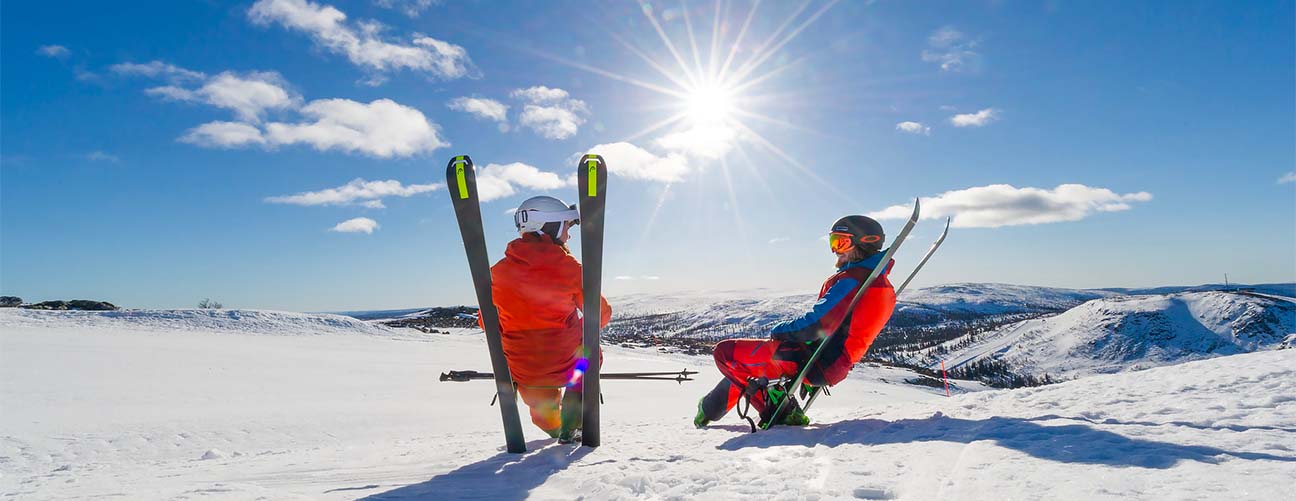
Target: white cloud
[(1289, 177), (381, 128), (913, 128), (356, 225), (630, 161), (978, 119), (248, 96), (650, 277), (952, 50), (366, 193), (551, 112), (541, 94), (778, 240), (484, 108), (551, 122), (1005, 205), (54, 51), (411, 8), (361, 42), (157, 69), (223, 135), (702, 140), (495, 181), (100, 156)]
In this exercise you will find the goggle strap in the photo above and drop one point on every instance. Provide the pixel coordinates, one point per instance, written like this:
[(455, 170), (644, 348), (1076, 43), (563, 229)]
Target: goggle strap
[(547, 217)]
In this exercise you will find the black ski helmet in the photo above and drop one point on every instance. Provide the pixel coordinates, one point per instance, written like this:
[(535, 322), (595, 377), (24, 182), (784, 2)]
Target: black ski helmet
[(865, 232)]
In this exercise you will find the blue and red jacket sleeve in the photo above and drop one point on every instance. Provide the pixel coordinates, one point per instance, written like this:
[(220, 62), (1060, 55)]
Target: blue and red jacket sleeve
[(828, 313), (813, 325)]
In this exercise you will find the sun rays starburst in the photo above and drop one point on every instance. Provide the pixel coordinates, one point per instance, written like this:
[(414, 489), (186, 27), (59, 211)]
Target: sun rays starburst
[(713, 90)]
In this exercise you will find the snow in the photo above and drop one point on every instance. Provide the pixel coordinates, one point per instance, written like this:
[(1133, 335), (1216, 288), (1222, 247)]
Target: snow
[(279, 323), (1136, 332), (175, 405)]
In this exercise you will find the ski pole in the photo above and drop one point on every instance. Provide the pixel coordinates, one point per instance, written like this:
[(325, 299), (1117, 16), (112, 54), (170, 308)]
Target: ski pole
[(927, 256), (680, 376), (945, 376)]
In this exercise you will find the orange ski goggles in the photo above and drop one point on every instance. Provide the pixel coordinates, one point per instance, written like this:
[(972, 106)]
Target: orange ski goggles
[(842, 243)]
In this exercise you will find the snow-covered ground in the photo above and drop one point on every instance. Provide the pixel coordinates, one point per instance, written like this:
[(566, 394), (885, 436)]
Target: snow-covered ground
[(134, 406)]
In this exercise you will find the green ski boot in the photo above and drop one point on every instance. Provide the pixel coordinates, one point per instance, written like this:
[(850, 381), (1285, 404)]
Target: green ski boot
[(700, 420)]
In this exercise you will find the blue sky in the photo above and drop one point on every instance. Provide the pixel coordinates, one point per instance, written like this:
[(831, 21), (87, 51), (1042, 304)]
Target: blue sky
[(289, 154)]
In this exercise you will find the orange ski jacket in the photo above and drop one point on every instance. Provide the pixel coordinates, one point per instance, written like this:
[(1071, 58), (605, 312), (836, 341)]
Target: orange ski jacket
[(537, 289)]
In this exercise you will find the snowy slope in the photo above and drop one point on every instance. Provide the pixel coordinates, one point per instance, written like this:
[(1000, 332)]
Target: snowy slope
[(99, 408), (1135, 332), (230, 321)]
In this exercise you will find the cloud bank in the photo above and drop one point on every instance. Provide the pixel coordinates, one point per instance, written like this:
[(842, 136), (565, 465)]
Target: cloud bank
[(356, 192), (630, 161), (551, 113), (1005, 205), (380, 128), (489, 109), (362, 42), (496, 181)]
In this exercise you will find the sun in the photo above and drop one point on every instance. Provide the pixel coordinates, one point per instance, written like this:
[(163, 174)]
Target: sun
[(709, 104)]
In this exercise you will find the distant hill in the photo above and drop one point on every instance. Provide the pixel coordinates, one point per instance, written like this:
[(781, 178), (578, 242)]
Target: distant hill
[(1288, 290), (1123, 333)]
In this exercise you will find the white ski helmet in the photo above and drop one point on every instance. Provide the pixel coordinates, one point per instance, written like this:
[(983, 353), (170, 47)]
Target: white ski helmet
[(537, 211)]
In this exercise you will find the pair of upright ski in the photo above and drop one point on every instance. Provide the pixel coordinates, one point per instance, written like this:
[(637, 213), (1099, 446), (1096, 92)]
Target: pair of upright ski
[(592, 177), (781, 409)]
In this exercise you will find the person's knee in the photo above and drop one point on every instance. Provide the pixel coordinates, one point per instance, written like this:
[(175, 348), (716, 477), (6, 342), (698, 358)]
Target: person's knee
[(723, 351)]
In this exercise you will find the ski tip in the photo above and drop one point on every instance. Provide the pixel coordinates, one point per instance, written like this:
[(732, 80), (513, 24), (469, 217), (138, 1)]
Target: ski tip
[(458, 170), (459, 159)]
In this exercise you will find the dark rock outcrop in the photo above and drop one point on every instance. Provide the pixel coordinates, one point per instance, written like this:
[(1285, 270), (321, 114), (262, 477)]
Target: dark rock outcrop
[(10, 301), (75, 304), (430, 321)]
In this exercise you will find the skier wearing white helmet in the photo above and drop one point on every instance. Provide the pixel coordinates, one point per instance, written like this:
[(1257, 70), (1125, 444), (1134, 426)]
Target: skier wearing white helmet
[(537, 290)]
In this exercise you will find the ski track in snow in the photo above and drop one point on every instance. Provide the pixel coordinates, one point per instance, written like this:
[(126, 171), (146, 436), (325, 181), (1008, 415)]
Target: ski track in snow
[(189, 405)]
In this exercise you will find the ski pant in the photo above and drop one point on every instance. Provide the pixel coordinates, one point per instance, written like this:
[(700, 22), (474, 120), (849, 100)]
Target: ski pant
[(739, 359), (553, 409)]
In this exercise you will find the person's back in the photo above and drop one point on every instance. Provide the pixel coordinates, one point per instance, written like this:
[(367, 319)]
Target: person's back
[(537, 289)]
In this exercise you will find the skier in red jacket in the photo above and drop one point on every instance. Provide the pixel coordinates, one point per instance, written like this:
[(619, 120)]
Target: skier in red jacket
[(857, 242), (537, 289)]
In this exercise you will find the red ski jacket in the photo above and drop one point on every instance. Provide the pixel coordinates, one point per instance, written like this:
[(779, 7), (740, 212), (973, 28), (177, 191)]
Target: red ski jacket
[(855, 330), (537, 289)]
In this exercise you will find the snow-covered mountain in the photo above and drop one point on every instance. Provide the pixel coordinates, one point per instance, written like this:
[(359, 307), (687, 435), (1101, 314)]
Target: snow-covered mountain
[(1122, 333), (752, 312), (100, 406), (993, 299)]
